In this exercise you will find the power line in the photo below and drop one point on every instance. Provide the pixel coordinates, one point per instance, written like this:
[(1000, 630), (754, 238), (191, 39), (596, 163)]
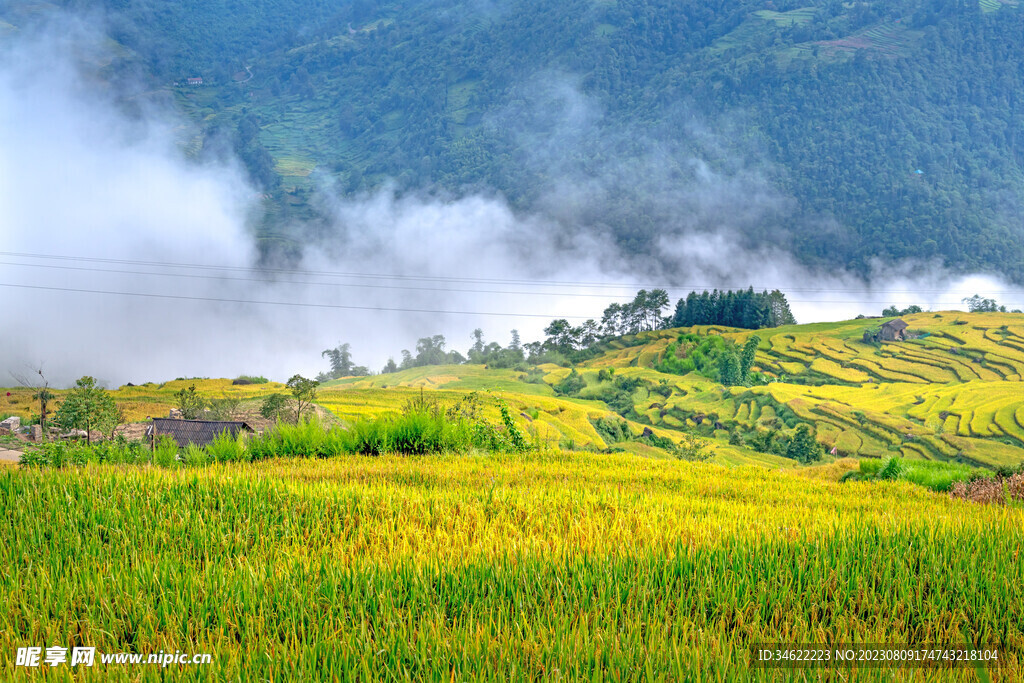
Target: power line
[(436, 278), (288, 303), (549, 316), (322, 273), (315, 284)]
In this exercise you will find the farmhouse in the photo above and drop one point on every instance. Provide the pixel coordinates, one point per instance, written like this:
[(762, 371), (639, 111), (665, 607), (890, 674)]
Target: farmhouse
[(894, 330), (199, 432), (196, 81)]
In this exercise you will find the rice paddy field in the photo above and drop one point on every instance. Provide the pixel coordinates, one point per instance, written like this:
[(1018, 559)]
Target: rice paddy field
[(597, 555), (551, 566), (952, 393)]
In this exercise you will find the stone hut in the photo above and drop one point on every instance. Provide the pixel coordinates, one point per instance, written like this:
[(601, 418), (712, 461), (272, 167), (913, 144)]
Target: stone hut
[(893, 331)]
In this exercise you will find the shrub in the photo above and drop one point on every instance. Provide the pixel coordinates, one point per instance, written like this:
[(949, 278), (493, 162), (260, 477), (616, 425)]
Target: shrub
[(226, 448), (194, 456), (273, 405), (892, 470), (165, 453)]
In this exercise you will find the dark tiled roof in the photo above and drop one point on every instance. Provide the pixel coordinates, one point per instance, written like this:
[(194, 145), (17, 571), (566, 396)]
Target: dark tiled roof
[(896, 325), (199, 432)]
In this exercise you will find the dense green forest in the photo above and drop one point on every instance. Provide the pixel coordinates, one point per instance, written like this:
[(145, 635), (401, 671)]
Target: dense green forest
[(839, 131)]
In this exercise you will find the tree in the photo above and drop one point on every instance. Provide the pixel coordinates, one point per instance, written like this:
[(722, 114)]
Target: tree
[(477, 350), (190, 403), (273, 405), (803, 448), (657, 300), (976, 304), (730, 369), (341, 361), (389, 367), (87, 407), (304, 390), (748, 355), (42, 394), (780, 313)]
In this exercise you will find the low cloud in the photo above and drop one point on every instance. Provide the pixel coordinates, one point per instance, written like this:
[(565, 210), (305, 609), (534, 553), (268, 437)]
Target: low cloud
[(103, 184)]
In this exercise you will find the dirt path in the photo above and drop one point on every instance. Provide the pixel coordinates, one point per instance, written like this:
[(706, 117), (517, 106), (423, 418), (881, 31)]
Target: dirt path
[(9, 457)]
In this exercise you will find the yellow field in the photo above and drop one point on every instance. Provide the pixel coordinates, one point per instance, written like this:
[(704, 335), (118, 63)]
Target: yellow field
[(603, 567)]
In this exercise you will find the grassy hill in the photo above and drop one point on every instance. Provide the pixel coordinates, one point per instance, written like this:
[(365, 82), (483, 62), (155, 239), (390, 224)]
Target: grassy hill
[(951, 393)]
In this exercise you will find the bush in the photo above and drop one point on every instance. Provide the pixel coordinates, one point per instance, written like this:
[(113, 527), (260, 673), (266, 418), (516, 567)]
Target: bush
[(194, 456), (165, 454), (572, 385), (273, 405), (226, 448), (892, 470)]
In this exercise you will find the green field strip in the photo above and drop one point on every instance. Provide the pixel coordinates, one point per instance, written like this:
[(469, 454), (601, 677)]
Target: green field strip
[(997, 338), (986, 372), (951, 425), (787, 355), (1012, 366), (793, 368), (880, 372), (838, 347), (672, 421), (992, 453), (743, 412), (964, 423), (782, 345), (849, 442)]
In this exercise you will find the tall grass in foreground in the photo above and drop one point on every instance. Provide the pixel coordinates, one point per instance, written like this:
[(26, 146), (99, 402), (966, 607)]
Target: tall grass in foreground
[(479, 568), (417, 431)]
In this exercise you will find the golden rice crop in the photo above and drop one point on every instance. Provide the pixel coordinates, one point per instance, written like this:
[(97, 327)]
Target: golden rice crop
[(834, 369), (597, 567)]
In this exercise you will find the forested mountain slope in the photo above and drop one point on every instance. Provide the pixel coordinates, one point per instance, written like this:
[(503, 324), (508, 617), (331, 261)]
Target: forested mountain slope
[(844, 131)]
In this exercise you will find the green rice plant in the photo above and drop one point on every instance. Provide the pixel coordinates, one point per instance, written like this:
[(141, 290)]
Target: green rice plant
[(194, 455), (893, 469), (165, 451), (226, 447), (933, 474), (597, 566)]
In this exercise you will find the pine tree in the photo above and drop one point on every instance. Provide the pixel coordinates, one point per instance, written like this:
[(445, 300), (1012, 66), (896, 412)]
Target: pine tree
[(747, 357), (730, 369)]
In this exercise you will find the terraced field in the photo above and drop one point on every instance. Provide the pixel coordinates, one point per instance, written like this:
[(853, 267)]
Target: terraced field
[(953, 391)]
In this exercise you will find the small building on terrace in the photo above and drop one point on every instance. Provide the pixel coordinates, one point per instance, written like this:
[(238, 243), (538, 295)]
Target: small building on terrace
[(894, 330), (199, 432)]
